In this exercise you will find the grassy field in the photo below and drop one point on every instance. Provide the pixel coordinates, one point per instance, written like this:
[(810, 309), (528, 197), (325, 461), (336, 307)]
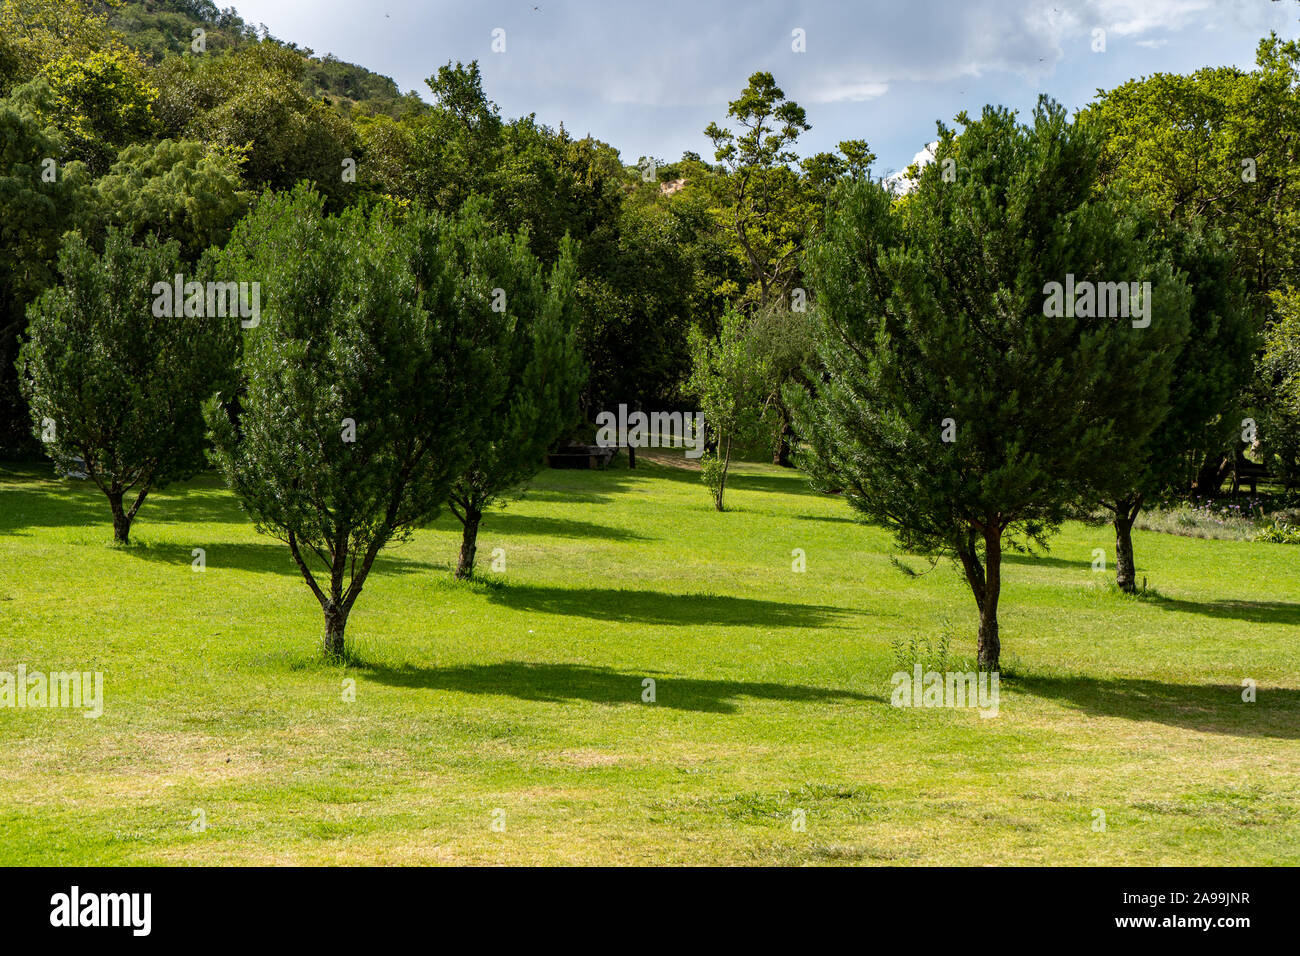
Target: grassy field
[(521, 693)]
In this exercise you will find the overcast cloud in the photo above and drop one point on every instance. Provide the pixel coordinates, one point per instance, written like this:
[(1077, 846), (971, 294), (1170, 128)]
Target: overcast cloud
[(648, 77)]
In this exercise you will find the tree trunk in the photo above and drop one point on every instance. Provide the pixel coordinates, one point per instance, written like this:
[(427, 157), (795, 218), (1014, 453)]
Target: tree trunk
[(336, 622), (722, 478), (781, 453), (121, 520), (986, 585), (1125, 574), (468, 543), (990, 647), (1126, 512)]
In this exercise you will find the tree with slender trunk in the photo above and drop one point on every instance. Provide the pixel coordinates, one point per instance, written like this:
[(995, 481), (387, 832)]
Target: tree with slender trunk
[(360, 384), (115, 384), (956, 403), (535, 372), (728, 379), (1205, 396)]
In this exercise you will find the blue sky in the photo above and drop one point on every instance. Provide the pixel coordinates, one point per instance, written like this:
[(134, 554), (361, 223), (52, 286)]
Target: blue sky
[(647, 77)]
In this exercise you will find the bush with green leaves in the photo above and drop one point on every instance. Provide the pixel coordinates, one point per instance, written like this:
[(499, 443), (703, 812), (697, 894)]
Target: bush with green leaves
[(1280, 533)]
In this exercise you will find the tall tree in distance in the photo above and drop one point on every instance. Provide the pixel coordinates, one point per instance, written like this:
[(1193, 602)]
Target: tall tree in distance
[(772, 210), (1218, 149), (768, 208)]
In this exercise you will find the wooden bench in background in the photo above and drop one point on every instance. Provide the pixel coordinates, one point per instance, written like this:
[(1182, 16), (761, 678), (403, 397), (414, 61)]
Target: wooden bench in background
[(580, 456), (1246, 472)]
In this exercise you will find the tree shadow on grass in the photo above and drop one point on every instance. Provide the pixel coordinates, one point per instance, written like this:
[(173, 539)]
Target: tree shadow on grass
[(1216, 709), (660, 607), (192, 504), (1046, 561), (559, 683), (513, 523), (259, 557), (796, 483), (48, 501), (581, 485), (837, 519), (1256, 612)]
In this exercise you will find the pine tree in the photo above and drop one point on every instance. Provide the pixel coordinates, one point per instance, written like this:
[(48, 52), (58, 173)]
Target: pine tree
[(953, 409), (361, 384), (115, 382), (1205, 394), (525, 325)]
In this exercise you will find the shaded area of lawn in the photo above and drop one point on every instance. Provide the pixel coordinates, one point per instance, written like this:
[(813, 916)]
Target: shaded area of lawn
[(515, 523), (660, 607), (44, 501), (1046, 560), (600, 685), (1255, 612), (33, 497), (1208, 708), (272, 557)]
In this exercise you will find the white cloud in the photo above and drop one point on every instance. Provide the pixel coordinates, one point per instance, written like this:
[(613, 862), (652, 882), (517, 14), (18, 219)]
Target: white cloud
[(1134, 17), (846, 92), (900, 182)]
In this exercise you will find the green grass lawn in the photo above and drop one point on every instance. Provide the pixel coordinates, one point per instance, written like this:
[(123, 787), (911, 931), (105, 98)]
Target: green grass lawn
[(522, 692)]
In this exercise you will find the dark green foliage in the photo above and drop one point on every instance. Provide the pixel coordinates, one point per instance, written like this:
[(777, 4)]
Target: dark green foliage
[(1215, 152), (114, 384), (253, 99), (362, 383), (1205, 408), (932, 309), (530, 391), (633, 308), (40, 198)]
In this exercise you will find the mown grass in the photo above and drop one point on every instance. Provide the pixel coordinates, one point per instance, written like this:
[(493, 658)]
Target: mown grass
[(522, 692)]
